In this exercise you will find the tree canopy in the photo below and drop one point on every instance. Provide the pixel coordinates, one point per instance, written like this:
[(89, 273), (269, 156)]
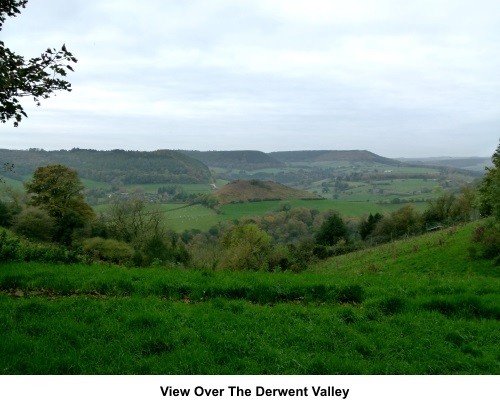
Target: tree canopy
[(57, 190), (38, 77), (490, 188)]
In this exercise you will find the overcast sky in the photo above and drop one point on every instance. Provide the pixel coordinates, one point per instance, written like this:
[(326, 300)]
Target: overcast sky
[(399, 78)]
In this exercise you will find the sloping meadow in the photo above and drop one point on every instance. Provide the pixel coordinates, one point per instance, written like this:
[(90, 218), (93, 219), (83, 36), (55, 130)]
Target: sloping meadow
[(419, 306)]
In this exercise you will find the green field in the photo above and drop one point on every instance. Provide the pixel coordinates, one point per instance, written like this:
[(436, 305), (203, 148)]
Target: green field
[(7, 182), (181, 217), (189, 217), (346, 208), (419, 306)]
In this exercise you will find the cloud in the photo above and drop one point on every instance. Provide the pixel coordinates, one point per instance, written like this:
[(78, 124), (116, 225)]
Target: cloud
[(268, 74)]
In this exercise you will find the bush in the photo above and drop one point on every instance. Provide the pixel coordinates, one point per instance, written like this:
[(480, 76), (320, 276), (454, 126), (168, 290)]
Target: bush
[(34, 223), (108, 250), (15, 249), (487, 239)]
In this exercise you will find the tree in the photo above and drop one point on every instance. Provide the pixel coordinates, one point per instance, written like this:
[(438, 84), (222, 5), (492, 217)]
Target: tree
[(367, 225), (134, 221), (38, 77), (489, 192), (441, 209), (57, 189), (246, 248), (487, 235), (404, 221), (332, 231)]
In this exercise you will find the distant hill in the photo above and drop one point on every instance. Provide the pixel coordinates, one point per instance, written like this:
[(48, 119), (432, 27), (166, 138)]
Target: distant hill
[(257, 190), (476, 164), (115, 166), (239, 159), (311, 156)]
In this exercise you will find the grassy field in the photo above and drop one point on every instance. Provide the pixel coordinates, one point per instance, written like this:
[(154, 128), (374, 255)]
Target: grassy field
[(419, 306), (346, 208), (180, 217)]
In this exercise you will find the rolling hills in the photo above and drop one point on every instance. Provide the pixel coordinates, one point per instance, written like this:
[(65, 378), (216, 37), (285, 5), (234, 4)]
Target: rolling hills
[(240, 159), (312, 156), (114, 166)]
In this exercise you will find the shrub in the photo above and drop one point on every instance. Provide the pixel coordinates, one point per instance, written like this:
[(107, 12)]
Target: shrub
[(487, 239), (108, 250), (34, 223)]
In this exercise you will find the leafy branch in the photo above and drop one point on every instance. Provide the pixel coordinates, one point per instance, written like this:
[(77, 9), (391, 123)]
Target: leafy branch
[(38, 77)]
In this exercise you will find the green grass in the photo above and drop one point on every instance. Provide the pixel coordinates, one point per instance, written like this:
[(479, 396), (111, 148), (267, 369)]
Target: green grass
[(153, 188), (189, 217), (87, 183), (419, 306)]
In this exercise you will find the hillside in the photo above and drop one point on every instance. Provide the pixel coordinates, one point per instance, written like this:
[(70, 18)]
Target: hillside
[(475, 164), (240, 159), (311, 156), (413, 307), (256, 190), (114, 166)]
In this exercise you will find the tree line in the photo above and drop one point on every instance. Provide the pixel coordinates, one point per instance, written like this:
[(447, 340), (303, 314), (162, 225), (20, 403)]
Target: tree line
[(53, 213)]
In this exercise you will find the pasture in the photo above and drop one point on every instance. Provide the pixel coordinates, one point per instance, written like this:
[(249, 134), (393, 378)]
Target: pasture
[(418, 306)]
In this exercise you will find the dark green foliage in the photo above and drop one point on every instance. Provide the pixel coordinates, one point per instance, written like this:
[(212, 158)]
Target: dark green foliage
[(489, 191), (6, 214), (34, 223), (109, 250), (403, 222), (487, 238), (332, 231), (243, 159), (57, 190), (116, 167), (440, 209), (14, 249), (366, 226)]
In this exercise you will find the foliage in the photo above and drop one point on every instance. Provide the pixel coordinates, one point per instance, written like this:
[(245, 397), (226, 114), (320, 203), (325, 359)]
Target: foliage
[(115, 167), (5, 214), (39, 77), (108, 250), (332, 231), (57, 190), (134, 221), (246, 248), (15, 249), (451, 207), (487, 237), (489, 191), (34, 223), (367, 225), (405, 221)]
